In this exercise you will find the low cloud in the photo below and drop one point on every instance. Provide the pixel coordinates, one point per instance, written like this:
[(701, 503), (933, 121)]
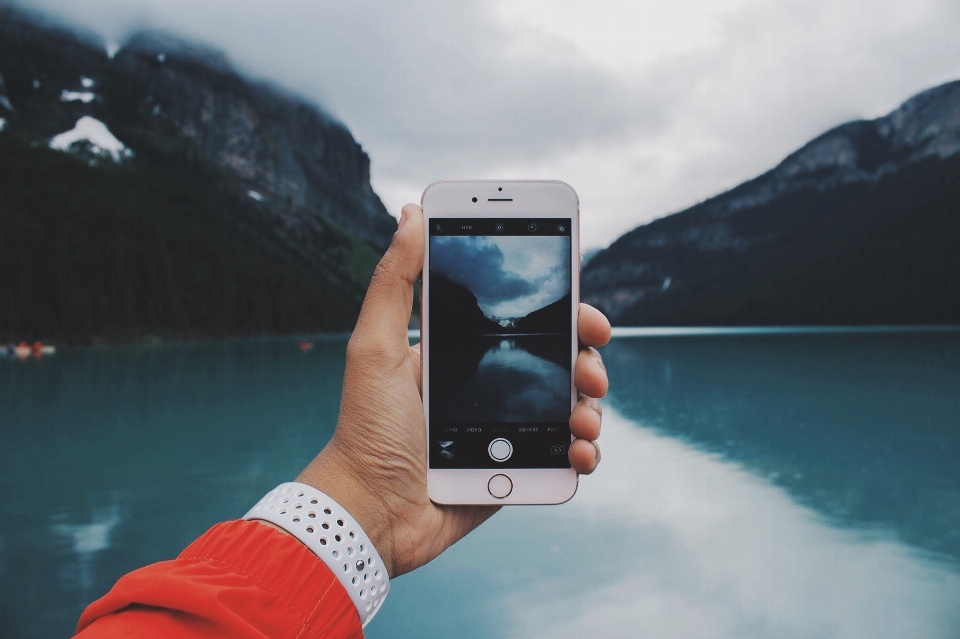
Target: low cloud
[(645, 107), (510, 276), (478, 264)]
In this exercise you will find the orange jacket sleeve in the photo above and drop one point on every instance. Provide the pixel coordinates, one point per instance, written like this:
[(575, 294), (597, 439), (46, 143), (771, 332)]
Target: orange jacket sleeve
[(241, 579)]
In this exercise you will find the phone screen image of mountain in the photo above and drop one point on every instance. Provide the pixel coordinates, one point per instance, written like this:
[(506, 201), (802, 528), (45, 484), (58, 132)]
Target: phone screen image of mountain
[(500, 353)]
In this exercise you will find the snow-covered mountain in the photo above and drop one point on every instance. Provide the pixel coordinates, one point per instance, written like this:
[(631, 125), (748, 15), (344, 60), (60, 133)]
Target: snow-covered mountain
[(149, 188)]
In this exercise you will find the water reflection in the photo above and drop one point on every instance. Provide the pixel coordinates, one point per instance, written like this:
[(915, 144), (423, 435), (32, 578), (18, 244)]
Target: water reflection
[(98, 446), (861, 427), (85, 540), (520, 378), (717, 552)]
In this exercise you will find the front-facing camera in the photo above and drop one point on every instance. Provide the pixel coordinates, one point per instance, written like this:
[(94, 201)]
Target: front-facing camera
[(474, 199)]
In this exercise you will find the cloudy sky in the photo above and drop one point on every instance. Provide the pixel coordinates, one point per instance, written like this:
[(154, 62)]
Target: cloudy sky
[(510, 275), (645, 107)]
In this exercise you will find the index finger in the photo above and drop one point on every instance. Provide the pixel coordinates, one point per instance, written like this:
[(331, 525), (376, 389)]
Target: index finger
[(593, 327)]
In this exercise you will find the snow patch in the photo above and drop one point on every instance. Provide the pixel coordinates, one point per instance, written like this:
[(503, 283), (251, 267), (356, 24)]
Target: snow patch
[(86, 82), (112, 49), (77, 96), (96, 133), (161, 57), (666, 284), (255, 196), (36, 84), (3, 123)]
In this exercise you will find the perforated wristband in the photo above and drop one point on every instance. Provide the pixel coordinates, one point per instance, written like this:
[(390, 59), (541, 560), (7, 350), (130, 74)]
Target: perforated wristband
[(334, 536)]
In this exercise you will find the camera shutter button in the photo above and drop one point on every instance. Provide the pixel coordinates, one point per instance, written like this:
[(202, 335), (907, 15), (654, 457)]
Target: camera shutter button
[(500, 449)]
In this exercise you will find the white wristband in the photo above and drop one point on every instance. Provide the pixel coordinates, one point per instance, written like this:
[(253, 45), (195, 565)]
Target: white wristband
[(334, 536)]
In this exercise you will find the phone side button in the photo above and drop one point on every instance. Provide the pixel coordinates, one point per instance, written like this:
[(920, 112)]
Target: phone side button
[(500, 486)]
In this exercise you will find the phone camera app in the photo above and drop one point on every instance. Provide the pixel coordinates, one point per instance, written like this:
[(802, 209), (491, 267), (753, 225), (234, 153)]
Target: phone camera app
[(500, 306)]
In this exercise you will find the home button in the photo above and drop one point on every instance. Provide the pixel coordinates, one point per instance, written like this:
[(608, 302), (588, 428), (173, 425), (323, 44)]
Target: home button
[(500, 486)]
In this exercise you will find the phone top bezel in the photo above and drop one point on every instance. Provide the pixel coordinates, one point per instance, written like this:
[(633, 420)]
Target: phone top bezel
[(527, 199)]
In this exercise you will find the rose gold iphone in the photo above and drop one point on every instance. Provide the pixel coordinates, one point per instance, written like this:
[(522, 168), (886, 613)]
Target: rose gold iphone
[(499, 340)]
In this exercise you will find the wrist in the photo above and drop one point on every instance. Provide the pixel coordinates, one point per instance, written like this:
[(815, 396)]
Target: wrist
[(327, 529), (330, 473)]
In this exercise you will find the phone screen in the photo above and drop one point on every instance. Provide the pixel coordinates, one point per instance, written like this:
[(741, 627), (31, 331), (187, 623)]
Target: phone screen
[(500, 309)]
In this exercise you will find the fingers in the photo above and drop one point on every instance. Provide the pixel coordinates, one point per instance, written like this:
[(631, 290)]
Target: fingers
[(584, 456), (593, 327), (385, 314), (585, 418), (585, 425), (590, 376)]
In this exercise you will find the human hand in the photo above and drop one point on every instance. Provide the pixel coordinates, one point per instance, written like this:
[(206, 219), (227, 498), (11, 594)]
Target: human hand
[(375, 466)]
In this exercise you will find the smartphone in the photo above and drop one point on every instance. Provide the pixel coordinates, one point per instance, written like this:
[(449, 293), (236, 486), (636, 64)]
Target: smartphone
[(499, 297)]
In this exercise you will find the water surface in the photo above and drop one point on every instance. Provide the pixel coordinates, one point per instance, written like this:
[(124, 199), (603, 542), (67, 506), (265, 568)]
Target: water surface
[(772, 484)]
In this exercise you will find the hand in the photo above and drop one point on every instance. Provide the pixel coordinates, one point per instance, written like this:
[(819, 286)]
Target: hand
[(375, 466)]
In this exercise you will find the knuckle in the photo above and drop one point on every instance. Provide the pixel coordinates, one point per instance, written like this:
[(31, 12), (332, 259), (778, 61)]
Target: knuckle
[(595, 405), (385, 267), (597, 357), (373, 350), (364, 347)]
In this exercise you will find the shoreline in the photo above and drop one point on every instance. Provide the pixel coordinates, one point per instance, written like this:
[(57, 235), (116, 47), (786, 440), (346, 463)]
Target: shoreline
[(618, 331)]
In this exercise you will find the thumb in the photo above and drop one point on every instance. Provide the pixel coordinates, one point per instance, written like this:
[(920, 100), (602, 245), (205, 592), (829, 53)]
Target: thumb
[(385, 313)]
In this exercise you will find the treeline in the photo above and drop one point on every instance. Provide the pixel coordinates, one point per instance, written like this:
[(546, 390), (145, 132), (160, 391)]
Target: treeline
[(158, 247), (867, 253)]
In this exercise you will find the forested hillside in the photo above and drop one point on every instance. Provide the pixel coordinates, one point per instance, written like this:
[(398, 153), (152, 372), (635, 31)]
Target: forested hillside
[(154, 191), (860, 226)]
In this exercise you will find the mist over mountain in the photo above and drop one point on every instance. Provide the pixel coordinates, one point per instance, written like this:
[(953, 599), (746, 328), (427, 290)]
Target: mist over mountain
[(859, 226), (148, 188)]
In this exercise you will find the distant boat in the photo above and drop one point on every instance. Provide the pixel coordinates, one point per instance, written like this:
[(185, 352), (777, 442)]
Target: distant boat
[(39, 349), (306, 346), (23, 350)]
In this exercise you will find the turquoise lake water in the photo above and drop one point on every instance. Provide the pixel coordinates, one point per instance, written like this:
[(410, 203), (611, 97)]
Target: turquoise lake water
[(754, 484)]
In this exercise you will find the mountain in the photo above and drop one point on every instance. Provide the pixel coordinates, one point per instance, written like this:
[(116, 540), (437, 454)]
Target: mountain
[(153, 190), (552, 318), (859, 226), (454, 311)]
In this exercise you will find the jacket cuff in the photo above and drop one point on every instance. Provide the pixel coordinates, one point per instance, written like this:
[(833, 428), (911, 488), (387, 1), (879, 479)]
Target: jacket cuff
[(280, 564)]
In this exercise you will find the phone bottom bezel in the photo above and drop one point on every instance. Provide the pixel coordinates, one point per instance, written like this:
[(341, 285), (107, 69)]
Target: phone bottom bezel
[(531, 486)]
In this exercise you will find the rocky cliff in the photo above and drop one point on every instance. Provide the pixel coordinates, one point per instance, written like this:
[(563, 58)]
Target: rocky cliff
[(149, 188), (858, 226)]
